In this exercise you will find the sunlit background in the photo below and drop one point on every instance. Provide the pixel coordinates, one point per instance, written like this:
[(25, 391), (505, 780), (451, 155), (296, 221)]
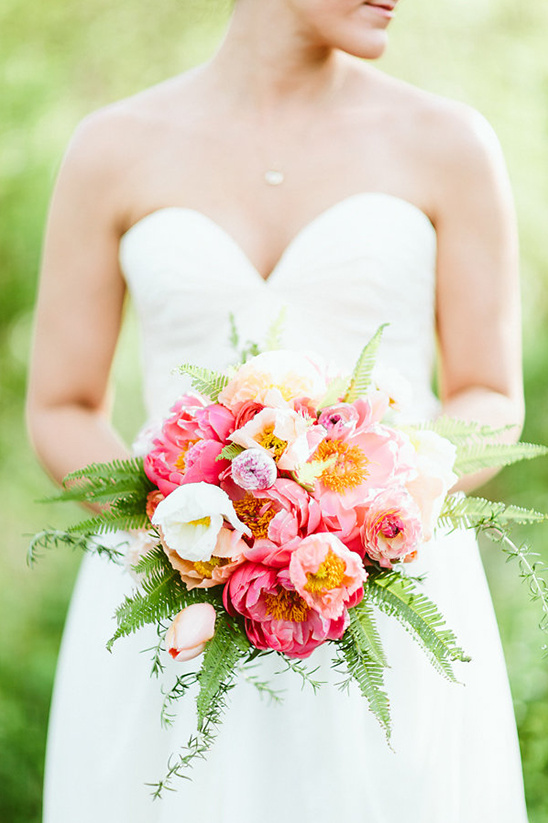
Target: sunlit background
[(61, 59)]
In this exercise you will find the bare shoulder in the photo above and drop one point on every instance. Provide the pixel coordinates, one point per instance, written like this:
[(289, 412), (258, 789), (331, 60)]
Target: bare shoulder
[(111, 141)]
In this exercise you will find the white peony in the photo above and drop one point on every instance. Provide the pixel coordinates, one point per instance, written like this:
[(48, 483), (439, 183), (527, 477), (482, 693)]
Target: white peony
[(191, 517)]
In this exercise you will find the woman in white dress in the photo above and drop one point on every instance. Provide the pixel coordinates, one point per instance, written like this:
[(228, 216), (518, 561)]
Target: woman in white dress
[(285, 171)]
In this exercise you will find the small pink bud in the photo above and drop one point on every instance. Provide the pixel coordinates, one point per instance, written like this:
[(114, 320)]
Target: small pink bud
[(191, 629)]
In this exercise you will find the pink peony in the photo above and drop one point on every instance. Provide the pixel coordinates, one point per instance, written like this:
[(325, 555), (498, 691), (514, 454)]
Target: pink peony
[(189, 423), (276, 616), (363, 463), (327, 575), (202, 463), (292, 515), (191, 629), (391, 528)]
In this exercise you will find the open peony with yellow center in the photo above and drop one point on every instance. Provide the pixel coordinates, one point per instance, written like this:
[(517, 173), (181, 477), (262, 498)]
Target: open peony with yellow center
[(191, 517), (275, 378), (327, 575)]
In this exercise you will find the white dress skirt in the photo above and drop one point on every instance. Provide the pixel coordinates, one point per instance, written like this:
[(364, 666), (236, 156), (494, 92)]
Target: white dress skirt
[(313, 758)]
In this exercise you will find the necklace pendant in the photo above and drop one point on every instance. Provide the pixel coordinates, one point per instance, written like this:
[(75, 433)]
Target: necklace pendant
[(274, 177)]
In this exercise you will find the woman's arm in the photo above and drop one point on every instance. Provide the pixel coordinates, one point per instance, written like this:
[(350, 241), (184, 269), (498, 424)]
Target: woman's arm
[(478, 302), (79, 307)]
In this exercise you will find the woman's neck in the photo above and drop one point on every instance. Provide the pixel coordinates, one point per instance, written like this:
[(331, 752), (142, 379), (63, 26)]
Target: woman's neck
[(267, 59)]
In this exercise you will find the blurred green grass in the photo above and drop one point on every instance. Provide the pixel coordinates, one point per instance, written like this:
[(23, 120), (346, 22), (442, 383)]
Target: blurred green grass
[(62, 59)]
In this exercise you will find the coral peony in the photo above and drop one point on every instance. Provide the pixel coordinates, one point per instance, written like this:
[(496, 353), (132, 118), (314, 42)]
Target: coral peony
[(327, 575), (191, 629), (276, 616)]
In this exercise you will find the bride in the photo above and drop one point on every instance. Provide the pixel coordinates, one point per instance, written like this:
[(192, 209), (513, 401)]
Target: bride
[(288, 172)]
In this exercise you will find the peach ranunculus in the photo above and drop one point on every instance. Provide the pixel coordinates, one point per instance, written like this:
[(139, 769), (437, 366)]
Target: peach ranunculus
[(191, 517), (284, 434), (391, 530), (275, 378), (327, 575), (276, 616), (191, 629), (203, 574), (435, 460)]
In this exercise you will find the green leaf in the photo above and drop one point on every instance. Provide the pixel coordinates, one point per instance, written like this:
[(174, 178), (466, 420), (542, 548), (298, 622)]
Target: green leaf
[(275, 330), (471, 512), (337, 389), (460, 432), (361, 376), (307, 474), (205, 381), (479, 456), (363, 620), (397, 596), (104, 482), (233, 337)]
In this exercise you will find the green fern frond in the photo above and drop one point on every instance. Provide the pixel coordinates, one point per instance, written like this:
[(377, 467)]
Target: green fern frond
[(361, 376), (337, 389), (118, 517), (363, 620), (230, 452), (205, 381), (460, 432), (104, 482), (219, 667), (273, 339), (479, 456), (396, 596), (54, 538), (471, 512), (154, 560), (365, 662)]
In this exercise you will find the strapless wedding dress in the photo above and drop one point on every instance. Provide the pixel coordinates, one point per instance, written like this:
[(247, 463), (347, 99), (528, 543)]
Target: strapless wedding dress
[(313, 758)]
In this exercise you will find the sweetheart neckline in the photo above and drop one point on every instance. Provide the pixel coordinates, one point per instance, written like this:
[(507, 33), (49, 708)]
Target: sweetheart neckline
[(302, 232)]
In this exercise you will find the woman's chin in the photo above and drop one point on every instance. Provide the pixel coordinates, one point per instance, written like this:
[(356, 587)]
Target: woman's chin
[(368, 47)]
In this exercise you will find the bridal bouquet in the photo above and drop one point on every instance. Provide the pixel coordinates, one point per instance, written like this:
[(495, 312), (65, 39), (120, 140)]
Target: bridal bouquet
[(278, 509)]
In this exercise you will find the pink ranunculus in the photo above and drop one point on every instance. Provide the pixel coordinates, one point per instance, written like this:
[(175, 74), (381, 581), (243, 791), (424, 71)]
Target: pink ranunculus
[(254, 470), (327, 575), (227, 555), (202, 464), (391, 528), (191, 629), (339, 420), (276, 616)]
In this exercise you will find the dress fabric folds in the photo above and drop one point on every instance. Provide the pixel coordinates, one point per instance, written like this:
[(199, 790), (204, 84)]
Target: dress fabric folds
[(367, 260)]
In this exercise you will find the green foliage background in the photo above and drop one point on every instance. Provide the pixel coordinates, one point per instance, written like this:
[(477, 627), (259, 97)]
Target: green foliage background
[(63, 58)]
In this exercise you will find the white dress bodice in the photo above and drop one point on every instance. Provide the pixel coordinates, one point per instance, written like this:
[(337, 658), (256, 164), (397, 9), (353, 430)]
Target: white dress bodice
[(366, 260)]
